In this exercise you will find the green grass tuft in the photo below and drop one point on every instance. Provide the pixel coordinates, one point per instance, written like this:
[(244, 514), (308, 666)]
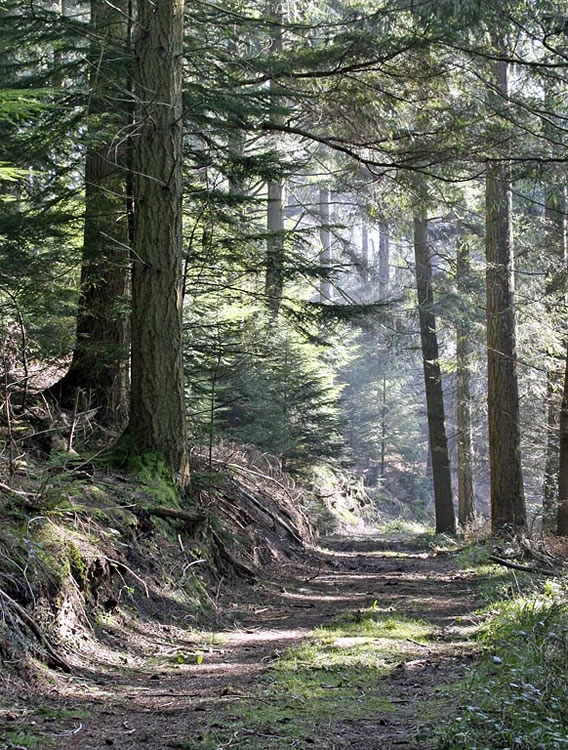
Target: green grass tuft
[(516, 697)]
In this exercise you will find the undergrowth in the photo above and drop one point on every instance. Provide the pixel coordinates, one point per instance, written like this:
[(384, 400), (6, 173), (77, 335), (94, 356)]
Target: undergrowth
[(516, 696)]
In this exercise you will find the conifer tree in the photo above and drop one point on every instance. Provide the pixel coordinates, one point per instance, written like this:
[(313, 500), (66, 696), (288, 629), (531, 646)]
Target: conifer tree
[(507, 493), (443, 498), (99, 368), (157, 422)]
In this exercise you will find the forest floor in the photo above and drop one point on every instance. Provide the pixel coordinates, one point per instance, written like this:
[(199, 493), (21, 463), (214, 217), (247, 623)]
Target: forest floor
[(358, 647)]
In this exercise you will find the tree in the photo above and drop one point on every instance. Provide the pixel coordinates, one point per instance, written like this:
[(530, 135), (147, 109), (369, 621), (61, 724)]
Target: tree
[(443, 498), (99, 368), (274, 284), (157, 405), (325, 291), (466, 492), (507, 493)]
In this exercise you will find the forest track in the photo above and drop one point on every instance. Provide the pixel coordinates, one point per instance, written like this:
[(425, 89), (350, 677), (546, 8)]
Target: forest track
[(392, 624)]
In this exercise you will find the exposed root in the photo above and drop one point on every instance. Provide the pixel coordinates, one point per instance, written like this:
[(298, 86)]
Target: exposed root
[(54, 659)]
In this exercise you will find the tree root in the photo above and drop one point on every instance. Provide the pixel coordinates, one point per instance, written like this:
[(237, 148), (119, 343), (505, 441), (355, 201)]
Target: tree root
[(54, 658), (226, 557)]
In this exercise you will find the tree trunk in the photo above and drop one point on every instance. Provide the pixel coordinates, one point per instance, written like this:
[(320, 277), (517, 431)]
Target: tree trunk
[(326, 291), (443, 498), (275, 247), (99, 367), (274, 284), (384, 258), (562, 511), (507, 493), (466, 492), (555, 236), (157, 409), (364, 252)]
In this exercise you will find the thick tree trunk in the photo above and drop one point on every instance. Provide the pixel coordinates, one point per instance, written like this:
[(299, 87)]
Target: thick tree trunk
[(508, 509), (326, 291), (157, 409), (274, 284), (99, 368), (555, 234), (466, 492), (507, 494), (443, 498)]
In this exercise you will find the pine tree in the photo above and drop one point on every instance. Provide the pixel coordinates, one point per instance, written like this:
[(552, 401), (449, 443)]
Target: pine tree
[(157, 422)]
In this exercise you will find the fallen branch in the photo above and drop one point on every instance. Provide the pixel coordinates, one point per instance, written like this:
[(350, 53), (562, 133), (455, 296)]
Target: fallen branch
[(180, 515), (526, 568)]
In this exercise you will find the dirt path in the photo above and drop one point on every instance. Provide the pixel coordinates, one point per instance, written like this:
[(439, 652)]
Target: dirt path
[(357, 649)]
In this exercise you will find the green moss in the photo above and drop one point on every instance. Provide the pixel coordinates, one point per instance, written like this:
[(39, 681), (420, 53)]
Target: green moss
[(77, 567)]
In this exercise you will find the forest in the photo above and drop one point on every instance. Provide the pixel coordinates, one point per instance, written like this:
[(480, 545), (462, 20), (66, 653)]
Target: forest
[(283, 307)]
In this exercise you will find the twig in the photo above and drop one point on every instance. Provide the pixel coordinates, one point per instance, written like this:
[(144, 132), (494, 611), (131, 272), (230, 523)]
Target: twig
[(73, 421), (132, 573)]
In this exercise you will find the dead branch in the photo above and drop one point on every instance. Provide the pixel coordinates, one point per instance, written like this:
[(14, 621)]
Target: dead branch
[(190, 519), (526, 568)]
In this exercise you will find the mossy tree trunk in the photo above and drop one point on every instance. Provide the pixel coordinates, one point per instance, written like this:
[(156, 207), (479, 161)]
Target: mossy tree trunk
[(99, 367), (157, 422)]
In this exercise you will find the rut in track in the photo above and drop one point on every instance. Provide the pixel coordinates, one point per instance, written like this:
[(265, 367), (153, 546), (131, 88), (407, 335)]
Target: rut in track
[(159, 686)]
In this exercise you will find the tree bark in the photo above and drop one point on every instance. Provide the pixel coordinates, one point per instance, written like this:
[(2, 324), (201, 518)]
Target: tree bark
[(562, 509), (443, 498), (507, 493), (364, 252), (466, 492), (99, 367), (384, 258), (556, 244), (157, 410), (326, 290), (274, 283)]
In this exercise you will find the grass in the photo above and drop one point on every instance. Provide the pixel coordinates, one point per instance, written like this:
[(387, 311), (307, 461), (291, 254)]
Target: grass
[(338, 674), (516, 696), (404, 526), (24, 738)]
